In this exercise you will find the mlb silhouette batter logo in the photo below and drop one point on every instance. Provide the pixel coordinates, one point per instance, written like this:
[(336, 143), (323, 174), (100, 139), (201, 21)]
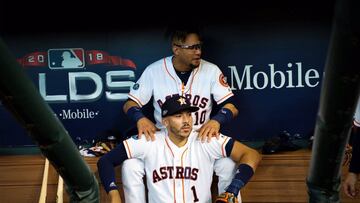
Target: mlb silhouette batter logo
[(66, 58)]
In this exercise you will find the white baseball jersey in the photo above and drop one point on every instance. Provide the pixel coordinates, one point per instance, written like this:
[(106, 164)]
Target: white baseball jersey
[(177, 174), (357, 114), (160, 80)]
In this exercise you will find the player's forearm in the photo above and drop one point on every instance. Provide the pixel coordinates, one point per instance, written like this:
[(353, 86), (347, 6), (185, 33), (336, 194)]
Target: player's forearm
[(128, 104), (106, 174), (241, 153), (232, 108), (248, 160), (133, 111), (226, 114), (106, 166), (115, 196)]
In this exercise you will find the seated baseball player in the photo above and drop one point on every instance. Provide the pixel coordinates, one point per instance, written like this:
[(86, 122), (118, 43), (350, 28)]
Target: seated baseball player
[(178, 166)]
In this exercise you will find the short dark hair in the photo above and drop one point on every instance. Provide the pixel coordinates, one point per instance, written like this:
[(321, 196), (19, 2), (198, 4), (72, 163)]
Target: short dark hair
[(180, 32)]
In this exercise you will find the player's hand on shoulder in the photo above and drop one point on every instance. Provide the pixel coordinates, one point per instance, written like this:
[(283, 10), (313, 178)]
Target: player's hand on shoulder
[(146, 127), (208, 130)]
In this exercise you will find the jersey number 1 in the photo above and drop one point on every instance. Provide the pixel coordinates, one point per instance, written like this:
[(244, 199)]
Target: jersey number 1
[(196, 199)]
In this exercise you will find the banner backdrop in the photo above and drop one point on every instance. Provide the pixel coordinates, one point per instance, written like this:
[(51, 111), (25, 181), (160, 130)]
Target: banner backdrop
[(275, 72)]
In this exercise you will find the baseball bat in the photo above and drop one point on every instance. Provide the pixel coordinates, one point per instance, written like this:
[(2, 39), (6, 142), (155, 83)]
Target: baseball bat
[(60, 191), (105, 147), (43, 190)]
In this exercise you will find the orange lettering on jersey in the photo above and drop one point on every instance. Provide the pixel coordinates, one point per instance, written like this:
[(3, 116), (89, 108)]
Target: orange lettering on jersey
[(194, 173), (179, 172), (156, 177), (167, 172), (170, 170), (196, 100), (203, 102), (187, 172), (163, 172)]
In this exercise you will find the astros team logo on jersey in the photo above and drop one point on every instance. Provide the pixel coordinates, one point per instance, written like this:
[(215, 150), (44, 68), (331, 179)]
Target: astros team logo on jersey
[(223, 80), (135, 137), (136, 86), (66, 58)]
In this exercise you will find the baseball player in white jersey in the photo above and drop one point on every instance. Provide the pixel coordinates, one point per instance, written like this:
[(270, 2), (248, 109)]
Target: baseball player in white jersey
[(160, 78), (179, 167), (184, 73)]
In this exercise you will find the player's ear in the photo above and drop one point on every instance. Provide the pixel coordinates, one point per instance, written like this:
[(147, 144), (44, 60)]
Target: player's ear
[(175, 50), (165, 122)]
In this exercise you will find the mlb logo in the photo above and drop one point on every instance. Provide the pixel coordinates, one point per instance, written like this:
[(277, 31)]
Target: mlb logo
[(67, 58)]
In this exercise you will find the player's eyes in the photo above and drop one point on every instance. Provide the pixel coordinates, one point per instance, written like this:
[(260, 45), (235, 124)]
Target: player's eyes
[(190, 47), (195, 46)]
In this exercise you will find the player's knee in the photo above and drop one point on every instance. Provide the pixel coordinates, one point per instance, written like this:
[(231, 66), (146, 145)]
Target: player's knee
[(225, 168), (132, 171)]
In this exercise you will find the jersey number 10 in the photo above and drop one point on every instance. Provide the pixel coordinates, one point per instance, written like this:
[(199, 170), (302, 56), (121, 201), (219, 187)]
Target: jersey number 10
[(200, 117)]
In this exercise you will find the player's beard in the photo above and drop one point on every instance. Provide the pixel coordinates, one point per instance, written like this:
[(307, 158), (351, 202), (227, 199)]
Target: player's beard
[(194, 64), (182, 132)]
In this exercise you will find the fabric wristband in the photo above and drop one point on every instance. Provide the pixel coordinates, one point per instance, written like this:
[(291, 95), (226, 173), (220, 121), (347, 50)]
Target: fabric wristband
[(243, 175), (223, 116), (135, 113)]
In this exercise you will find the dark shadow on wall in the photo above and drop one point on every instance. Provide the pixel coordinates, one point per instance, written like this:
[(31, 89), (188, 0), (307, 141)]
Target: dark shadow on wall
[(55, 17)]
